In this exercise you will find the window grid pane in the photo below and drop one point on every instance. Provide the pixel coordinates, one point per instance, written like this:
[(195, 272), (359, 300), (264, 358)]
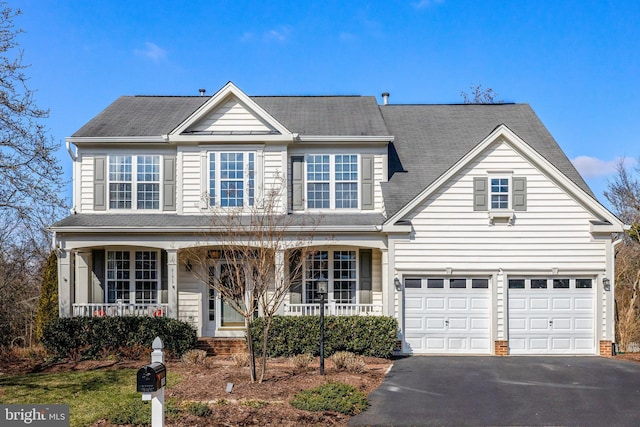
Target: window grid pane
[(344, 277), (346, 176), (118, 276), (148, 176), (146, 273), (499, 193), (120, 180), (231, 179), (318, 181), (316, 268)]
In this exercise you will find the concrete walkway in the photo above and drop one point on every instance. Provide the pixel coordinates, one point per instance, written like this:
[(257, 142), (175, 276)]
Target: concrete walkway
[(506, 391)]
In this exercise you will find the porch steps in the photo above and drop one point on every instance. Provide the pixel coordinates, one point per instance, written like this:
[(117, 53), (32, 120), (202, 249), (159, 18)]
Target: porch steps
[(221, 346)]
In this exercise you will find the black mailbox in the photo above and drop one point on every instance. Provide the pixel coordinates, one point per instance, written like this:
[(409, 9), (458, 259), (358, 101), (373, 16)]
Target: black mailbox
[(151, 378)]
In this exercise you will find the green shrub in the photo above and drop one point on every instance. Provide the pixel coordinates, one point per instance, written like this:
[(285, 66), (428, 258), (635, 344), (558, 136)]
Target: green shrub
[(133, 412), (336, 397), (198, 409), (48, 302), (98, 337), (364, 335)]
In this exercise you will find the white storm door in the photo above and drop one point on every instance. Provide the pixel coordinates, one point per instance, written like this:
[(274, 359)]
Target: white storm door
[(447, 316), (551, 316)]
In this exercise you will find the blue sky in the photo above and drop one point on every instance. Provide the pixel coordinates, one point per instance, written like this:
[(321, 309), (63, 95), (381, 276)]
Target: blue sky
[(577, 63)]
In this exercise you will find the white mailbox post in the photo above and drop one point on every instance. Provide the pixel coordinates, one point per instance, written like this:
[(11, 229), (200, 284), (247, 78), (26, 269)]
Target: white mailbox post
[(151, 380)]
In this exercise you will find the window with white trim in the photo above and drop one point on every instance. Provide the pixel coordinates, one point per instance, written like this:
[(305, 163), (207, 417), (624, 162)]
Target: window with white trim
[(339, 269), (232, 179), (133, 277), (145, 181), (499, 193), (332, 181)]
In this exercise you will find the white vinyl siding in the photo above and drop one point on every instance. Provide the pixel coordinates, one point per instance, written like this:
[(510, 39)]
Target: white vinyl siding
[(554, 232), (230, 117)]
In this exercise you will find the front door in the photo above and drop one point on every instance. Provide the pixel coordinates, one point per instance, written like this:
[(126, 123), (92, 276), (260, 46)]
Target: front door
[(219, 312), (229, 316)]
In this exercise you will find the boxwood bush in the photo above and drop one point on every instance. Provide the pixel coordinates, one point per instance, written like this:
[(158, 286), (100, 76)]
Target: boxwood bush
[(96, 337), (364, 335)]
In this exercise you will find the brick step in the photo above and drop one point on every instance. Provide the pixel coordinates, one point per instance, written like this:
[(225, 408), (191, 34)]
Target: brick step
[(221, 346)]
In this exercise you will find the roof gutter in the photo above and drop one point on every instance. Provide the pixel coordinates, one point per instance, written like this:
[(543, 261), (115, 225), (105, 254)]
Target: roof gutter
[(357, 139)]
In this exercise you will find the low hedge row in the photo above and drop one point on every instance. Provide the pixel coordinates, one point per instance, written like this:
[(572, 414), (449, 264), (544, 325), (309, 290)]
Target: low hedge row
[(364, 335), (96, 337)]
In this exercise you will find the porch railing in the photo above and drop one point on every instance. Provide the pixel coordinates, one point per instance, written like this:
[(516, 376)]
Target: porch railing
[(119, 309), (334, 309)]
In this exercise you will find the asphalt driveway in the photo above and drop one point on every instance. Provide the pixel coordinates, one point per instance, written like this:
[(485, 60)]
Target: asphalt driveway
[(506, 391)]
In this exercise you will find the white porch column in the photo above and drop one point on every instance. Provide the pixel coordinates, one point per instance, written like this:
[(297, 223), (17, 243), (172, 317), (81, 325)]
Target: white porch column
[(280, 275), (172, 279), (82, 276), (387, 285), (65, 289)]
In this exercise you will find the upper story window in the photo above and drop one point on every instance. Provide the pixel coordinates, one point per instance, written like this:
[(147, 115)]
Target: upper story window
[(134, 182), (231, 179), (332, 181), (499, 193)]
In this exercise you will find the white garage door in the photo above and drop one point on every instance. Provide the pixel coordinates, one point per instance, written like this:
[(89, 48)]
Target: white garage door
[(551, 316), (445, 315)]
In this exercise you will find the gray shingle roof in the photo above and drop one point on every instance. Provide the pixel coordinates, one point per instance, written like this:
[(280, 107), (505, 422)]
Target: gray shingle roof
[(141, 116), (430, 139), (326, 115), (306, 115), (160, 222)]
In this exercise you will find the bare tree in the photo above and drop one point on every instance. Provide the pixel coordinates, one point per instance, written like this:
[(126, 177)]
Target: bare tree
[(480, 95), (261, 249), (623, 192), (30, 185)]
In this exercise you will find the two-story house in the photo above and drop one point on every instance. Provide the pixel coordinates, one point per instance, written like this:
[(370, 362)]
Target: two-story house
[(466, 222)]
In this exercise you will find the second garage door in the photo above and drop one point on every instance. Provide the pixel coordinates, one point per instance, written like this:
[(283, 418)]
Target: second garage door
[(447, 315), (551, 316)]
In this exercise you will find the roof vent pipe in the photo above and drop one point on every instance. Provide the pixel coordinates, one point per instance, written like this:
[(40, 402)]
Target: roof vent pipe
[(202, 91), (385, 98)]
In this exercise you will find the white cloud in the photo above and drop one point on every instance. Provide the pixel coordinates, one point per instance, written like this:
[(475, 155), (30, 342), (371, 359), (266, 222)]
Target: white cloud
[(592, 167), (152, 51), (423, 4), (280, 34)]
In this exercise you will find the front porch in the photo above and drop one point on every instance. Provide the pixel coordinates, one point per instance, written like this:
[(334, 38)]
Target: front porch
[(119, 309), (145, 281), (333, 308)]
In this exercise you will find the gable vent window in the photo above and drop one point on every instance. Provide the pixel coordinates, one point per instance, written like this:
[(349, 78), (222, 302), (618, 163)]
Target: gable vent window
[(500, 196), (499, 193), (134, 182)]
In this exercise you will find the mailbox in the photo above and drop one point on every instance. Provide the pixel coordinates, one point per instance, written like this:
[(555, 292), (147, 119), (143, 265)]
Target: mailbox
[(151, 378)]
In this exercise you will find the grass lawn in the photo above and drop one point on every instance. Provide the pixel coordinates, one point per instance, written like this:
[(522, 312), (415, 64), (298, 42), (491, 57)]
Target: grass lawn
[(91, 395)]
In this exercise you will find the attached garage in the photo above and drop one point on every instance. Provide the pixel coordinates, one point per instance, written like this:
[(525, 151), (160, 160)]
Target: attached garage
[(551, 316), (447, 315)]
